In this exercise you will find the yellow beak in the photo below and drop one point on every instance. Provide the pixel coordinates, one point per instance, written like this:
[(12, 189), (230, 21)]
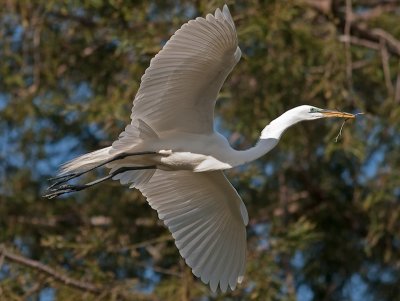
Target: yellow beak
[(330, 114)]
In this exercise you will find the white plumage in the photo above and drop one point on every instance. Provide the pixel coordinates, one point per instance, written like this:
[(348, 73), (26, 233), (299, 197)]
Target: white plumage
[(171, 153), (207, 219)]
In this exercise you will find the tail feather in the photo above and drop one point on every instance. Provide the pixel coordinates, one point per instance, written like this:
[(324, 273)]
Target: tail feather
[(89, 161), (86, 161), (134, 134)]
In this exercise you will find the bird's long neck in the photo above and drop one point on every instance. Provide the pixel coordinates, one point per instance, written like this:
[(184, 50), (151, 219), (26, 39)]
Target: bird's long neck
[(269, 138)]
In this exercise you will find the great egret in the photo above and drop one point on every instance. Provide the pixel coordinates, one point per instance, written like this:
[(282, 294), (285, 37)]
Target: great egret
[(172, 154)]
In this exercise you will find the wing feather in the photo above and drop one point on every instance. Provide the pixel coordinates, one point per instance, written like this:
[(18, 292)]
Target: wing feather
[(209, 265), (207, 220), (179, 89), (230, 267)]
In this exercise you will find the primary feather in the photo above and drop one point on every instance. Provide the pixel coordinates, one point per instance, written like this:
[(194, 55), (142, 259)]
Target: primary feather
[(179, 89), (207, 219)]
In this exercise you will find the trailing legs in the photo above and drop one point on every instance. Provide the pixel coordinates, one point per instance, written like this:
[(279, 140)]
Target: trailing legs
[(65, 178), (58, 189)]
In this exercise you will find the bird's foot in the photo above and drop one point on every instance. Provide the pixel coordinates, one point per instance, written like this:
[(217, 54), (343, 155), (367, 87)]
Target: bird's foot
[(62, 179), (62, 189)]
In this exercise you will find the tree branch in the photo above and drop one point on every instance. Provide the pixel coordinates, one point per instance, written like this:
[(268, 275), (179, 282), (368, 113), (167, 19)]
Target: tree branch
[(377, 35), (386, 69), (359, 42), (359, 30), (347, 29), (66, 280)]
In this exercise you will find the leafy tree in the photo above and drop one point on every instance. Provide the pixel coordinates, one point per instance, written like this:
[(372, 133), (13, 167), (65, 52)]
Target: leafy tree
[(325, 216)]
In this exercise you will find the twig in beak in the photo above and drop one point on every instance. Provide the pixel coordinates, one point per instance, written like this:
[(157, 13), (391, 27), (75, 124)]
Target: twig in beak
[(340, 131), (341, 127)]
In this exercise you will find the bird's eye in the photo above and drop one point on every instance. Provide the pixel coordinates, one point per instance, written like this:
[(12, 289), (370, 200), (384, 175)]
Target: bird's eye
[(313, 110)]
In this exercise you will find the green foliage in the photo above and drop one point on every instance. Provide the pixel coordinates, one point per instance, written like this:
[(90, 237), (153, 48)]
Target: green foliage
[(322, 214)]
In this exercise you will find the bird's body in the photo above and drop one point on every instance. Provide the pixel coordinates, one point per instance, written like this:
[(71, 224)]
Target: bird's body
[(194, 152), (172, 154), (185, 151)]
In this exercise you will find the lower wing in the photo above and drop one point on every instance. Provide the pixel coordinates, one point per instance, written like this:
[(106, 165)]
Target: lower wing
[(207, 219)]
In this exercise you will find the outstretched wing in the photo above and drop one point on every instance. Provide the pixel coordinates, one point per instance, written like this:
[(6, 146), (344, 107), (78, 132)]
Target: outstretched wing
[(207, 219), (179, 88)]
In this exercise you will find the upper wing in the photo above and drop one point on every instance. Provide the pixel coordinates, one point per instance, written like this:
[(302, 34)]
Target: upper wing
[(179, 88), (207, 219)]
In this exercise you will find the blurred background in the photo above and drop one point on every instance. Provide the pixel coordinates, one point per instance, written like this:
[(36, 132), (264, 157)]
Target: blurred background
[(324, 215)]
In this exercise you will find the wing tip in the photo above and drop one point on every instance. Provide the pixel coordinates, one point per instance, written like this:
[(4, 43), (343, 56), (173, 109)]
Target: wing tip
[(218, 14), (227, 15)]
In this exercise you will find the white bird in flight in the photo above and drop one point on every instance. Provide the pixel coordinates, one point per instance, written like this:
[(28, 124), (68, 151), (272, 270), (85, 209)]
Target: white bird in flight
[(172, 154)]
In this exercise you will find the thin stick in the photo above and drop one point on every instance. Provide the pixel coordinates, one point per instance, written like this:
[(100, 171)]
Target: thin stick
[(341, 127), (340, 132)]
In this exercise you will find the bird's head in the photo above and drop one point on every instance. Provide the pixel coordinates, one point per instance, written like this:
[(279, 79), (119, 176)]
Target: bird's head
[(310, 113), (298, 114)]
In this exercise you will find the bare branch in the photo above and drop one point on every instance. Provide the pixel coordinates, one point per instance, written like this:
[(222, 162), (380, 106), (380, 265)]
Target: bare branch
[(386, 68), (347, 29), (377, 35), (359, 42), (81, 285), (360, 64), (359, 30)]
